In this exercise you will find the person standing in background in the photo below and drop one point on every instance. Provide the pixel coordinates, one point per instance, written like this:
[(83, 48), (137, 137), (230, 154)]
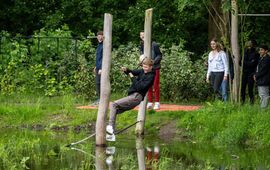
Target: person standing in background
[(217, 67), (156, 55), (250, 62), (98, 66), (262, 76)]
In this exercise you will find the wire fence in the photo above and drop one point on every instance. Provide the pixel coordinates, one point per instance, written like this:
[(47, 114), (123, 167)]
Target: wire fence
[(56, 56), (40, 38)]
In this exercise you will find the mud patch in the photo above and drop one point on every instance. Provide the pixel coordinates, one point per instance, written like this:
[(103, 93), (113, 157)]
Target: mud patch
[(170, 132)]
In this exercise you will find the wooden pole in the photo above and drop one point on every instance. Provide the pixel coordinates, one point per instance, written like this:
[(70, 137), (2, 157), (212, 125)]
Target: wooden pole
[(147, 52), (235, 52), (105, 89)]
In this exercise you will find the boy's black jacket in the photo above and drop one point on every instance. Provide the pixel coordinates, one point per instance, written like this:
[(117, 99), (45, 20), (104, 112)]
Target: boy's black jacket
[(141, 81), (263, 72)]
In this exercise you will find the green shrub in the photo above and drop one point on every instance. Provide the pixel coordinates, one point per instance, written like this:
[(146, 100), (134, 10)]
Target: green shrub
[(53, 63)]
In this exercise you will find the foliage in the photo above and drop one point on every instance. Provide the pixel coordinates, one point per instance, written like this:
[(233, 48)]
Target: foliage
[(53, 63), (50, 62), (180, 77)]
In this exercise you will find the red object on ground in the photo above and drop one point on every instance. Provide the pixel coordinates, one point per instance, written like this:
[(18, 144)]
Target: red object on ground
[(163, 107)]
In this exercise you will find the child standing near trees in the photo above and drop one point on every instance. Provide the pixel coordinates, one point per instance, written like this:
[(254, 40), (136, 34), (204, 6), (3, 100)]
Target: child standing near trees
[(142, 80)]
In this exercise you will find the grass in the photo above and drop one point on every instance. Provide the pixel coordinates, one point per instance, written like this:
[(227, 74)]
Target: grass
[(30, 110), (219, 123), (228, 124)]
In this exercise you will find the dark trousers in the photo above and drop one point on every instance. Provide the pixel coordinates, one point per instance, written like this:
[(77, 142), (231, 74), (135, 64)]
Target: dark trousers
[(247, 80), (98, 78), (216, 80)]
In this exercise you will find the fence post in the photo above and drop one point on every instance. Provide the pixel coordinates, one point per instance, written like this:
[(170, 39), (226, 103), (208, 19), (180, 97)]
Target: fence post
[(105, 89), (147, 52)]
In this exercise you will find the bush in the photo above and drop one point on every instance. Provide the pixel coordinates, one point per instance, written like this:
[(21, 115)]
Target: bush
[(53, 63)]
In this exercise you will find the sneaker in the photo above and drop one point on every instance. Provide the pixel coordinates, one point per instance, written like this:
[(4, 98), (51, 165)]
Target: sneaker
[(149, 105), (110, 150), (157, 106), (109, 129), (110, 138), (109, 160)]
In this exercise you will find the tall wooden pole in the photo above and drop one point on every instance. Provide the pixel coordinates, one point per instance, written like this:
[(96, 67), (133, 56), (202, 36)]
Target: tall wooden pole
[(147, 52), (105, 89), (235, 52)]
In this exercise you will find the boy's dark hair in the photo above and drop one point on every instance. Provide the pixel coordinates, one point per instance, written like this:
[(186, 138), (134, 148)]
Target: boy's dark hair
[(100, 33), (253, 42), (265, 47)]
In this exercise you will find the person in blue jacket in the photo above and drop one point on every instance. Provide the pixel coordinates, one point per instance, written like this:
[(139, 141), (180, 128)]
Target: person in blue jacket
[(98, 68)]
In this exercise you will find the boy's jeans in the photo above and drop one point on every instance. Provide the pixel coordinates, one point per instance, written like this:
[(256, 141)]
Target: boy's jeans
[(264, 95)]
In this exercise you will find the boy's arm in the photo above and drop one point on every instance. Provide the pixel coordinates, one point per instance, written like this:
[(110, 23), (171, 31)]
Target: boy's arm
[(136, 72)]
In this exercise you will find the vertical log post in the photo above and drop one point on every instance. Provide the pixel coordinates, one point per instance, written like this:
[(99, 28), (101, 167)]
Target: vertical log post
[(105, 89), (147, 52), (235, 52)]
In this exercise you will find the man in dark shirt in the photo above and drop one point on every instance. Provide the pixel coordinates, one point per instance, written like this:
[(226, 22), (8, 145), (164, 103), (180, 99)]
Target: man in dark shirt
[(98, 67), (142, 80), (262, 76), (251, 59)]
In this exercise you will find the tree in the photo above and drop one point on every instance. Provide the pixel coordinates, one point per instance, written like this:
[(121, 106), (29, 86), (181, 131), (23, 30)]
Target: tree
[(235, 52)]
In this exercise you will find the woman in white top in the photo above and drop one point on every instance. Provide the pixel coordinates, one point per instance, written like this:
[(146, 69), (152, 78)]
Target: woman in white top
[(217, 66)]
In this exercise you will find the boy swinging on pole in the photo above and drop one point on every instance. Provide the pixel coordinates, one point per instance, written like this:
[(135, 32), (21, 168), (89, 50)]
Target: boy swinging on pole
[(142, 80)]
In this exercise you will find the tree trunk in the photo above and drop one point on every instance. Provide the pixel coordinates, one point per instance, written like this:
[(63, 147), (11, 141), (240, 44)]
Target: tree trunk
[(235, 52), (105, 89)]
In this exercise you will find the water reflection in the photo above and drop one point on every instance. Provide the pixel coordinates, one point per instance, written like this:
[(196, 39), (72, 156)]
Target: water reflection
[(100, 158), (43, 150), (140, 152)]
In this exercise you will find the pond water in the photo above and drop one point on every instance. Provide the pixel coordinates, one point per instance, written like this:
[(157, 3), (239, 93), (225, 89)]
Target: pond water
[(23, 149)]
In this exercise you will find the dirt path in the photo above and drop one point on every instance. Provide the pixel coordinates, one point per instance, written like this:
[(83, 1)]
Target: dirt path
[(163, 107)]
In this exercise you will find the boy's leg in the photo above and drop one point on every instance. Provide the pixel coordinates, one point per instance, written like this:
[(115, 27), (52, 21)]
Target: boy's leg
[(243, 88), (156, 85), (124, 104), (250, 89), (150, 94), (264, 95), (98, 78)]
